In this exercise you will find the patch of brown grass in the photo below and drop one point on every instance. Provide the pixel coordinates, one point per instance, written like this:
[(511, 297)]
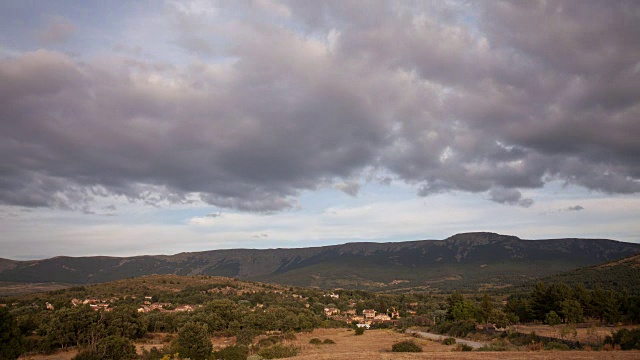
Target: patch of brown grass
[(376, 344)]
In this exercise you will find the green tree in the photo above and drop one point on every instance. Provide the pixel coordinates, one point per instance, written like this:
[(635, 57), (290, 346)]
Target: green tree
[(465, 310), (116, 348), (125, 321), (571, 311), (539, 302), (552, 318), (485, 309), (76, 326), (193, 341), (11, 339)]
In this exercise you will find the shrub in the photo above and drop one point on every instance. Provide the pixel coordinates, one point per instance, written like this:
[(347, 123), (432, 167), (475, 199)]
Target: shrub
[(554, 345), (359, 331), (271, 340), (328, 342), (449, 341), (278, 351), (315, 341), (496, 346), (153, 354), (254, 357), (406, 346), (625, 339), (463, 347), (457, 328), (87, 354), (289, 336), (236, 352)]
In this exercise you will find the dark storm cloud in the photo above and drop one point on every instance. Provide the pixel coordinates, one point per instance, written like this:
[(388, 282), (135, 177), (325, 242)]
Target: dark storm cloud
[(490, 97)]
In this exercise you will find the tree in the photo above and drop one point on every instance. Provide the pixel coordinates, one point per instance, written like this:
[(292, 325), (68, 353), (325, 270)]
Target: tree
[(539, 301), (462, 311), (125, 321), (552, 318), (193, 341), (485, 309), (116, 348), (11, 340), (571, 311)]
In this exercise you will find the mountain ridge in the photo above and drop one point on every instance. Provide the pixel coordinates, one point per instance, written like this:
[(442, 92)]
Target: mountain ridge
[(467, 261)]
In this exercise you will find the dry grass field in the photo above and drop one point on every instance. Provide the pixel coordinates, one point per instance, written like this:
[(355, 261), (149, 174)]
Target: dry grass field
[(584, 334), (376, 344)]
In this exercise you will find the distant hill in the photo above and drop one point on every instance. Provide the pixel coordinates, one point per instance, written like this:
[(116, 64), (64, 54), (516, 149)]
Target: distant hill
[(467, 262), (619, 275)]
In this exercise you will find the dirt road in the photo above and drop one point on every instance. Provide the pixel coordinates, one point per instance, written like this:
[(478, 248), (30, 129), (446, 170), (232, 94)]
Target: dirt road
[(438, 337)]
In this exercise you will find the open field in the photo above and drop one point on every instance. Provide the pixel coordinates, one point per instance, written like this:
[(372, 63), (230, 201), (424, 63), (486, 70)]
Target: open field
[(8, 288), (584, 334), (376, 344)]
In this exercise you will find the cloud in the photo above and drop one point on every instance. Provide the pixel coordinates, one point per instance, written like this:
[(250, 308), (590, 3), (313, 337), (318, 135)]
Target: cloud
[(349, 187), (574, 208), (509, 197), (490, 97)]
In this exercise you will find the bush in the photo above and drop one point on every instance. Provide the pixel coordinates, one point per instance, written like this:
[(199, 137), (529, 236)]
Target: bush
[(328, 342), (554, 345), (457, 328), (315, 341), (406, 346), (87, 354), (236, 352), (449, 341), (254, 357), (289, 336), (278, 351), (359, 331), (271, 340), (463, 347), (501, 345), (153, 354), (625, 339)]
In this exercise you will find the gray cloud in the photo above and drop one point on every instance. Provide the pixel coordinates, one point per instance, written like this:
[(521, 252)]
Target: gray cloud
[(490, 97), (349, 187), (509, 197), (574, 208)]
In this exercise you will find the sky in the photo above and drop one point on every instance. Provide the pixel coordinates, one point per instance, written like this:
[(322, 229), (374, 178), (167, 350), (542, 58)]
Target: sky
[(159, 127)]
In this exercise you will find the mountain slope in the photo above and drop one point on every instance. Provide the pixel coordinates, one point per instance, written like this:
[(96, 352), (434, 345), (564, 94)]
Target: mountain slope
[(619, 275), (465, 262)]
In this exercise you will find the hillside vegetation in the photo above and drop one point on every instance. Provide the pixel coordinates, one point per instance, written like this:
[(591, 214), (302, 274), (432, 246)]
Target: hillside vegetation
[(618, 275), (465, 262)]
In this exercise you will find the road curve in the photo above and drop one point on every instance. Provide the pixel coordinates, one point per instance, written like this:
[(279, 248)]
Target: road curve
[(438, 337)]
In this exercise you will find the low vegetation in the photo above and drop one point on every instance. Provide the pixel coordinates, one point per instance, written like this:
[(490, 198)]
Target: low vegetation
[(449, 341), (406, 346)]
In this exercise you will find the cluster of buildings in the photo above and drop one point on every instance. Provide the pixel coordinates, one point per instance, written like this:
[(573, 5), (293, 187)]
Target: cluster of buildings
[(95, 304), (368, 317)]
